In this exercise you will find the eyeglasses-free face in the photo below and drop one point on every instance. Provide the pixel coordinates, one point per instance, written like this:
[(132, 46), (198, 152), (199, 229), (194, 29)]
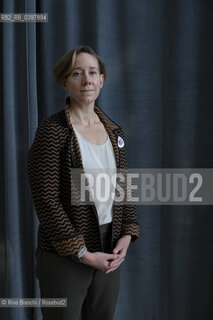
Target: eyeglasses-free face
[(85, 81)]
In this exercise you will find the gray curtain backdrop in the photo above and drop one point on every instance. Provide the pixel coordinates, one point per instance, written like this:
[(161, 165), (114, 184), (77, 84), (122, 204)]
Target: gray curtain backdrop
[(159, 88)]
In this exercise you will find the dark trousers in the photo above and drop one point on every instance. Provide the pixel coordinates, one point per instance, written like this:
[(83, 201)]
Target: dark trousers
[(89, 292)]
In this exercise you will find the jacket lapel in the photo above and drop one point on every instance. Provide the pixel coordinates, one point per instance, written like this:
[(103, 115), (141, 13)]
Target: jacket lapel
[(75, 149)]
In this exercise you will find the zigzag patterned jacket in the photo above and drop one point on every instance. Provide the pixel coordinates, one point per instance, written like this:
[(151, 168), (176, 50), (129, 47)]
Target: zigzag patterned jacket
[(65, 228)]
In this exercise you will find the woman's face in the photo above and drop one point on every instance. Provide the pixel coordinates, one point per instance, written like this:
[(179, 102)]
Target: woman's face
[(85, 81)]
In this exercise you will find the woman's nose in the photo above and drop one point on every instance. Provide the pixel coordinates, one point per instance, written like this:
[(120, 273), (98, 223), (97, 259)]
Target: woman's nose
[(86, 78)]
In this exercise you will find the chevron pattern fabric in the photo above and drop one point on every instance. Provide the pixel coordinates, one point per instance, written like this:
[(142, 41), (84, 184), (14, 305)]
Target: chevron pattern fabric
[(65, 228)]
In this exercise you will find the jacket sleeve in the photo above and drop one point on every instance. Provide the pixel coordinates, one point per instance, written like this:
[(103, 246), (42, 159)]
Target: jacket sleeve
[(44, 179), (130, 225)]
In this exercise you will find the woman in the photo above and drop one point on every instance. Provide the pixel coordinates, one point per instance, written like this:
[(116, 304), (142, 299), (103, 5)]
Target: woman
[(80, 247)]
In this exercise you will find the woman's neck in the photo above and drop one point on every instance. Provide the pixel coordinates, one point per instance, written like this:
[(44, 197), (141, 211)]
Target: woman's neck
[(83, 115)]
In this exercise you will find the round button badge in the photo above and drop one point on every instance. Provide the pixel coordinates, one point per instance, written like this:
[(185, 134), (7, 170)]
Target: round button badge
[(120, 142)]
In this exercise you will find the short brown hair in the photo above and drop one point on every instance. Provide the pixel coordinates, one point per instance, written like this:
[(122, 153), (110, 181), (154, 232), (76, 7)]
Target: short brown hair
[(65, 64)]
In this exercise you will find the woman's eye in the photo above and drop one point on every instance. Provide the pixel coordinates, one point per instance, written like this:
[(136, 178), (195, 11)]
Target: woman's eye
[(92, 72), (77, 74)]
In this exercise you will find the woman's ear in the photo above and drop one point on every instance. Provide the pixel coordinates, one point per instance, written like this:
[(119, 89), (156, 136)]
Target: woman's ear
[(64, 84), (102, 80)]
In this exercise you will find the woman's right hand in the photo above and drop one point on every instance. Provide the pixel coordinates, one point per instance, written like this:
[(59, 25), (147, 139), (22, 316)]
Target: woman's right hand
[(100, 260)]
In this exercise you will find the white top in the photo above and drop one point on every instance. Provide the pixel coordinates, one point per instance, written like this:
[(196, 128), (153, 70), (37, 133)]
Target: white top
[(102, 158)]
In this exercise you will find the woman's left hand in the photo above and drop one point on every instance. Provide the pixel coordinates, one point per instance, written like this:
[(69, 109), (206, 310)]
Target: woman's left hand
[(121, 249)]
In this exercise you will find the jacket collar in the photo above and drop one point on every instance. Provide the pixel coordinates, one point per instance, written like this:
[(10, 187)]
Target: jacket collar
[(111, 127)]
